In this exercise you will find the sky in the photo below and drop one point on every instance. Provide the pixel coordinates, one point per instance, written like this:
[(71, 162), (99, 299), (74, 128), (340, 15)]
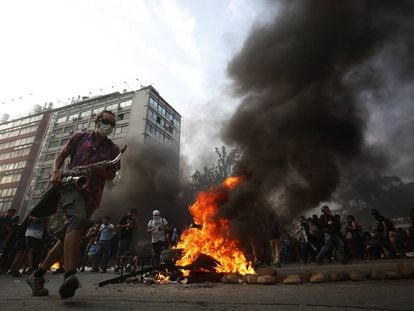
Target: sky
[(53, 51)]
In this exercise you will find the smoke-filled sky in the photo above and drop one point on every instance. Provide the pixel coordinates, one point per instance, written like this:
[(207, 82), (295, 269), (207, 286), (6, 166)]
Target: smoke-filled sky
[(327, 91), (53, 50)]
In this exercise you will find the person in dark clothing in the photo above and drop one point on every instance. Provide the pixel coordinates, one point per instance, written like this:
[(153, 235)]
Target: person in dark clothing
[(306, 240), (354, 238), (332, 237), (275, 234), (386, 232), (411, 231), (6, 222), (126, 228), (15, 241)]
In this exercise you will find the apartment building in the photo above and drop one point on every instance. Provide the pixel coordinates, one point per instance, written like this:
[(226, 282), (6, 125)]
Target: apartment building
[(20, 142), (143, 116)]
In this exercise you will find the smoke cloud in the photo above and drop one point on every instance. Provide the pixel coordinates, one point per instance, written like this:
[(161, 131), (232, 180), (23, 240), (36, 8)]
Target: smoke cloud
[(149, 180), (309, 82)]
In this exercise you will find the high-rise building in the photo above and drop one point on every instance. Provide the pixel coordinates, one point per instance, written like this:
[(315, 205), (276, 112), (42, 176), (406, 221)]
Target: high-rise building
[(20, 142), (142, 116)]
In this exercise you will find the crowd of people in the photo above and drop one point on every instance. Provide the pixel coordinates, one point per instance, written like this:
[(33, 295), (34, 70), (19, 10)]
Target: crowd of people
[(327, 238), (25, 245)]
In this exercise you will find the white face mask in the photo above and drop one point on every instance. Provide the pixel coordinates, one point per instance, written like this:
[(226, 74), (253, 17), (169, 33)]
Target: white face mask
[(105, 129)]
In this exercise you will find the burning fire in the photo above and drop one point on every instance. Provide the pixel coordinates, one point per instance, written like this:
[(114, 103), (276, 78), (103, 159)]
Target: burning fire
[(55, 266), (212, 237)]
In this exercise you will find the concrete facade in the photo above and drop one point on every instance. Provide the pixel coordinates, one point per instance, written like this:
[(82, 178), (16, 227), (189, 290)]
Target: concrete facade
[(20, 144)]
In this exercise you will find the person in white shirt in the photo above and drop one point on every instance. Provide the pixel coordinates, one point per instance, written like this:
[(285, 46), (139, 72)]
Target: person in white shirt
[(103, 249), (158, 227)]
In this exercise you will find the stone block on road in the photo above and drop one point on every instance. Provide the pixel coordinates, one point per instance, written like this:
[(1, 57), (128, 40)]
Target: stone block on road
[(318, 278)]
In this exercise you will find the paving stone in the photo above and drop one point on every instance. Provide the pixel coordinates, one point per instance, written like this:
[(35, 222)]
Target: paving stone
[(266, 279), (338, 276), (293, 279), (318, 278)]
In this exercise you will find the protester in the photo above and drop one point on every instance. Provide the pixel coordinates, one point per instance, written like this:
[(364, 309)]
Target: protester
[(307, 246), (15, 241), (6, 227), (275, 234), (126, 228), (332, 236), (17, 255), (78, 204), (35, 232), (387, 233), (158, 227), (354, 238), (91, 239), (103, 250)]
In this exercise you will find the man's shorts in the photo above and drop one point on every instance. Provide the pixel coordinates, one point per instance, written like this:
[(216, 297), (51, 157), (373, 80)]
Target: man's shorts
[(34, 243), (123, 247), (73, 205)]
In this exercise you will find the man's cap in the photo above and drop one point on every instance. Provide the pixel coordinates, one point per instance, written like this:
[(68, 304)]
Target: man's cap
[(156, 213)]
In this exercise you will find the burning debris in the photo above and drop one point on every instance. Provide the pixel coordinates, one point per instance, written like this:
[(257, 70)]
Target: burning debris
[(212, 238)]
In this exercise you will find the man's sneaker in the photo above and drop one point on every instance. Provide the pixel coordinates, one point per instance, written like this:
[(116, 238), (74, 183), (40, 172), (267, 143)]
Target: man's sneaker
[(37, 285), (69, 286)]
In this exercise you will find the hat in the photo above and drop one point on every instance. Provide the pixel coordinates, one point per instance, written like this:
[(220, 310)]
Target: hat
[(156, 213)]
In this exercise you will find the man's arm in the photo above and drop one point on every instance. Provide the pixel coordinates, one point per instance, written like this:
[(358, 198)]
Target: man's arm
[(57, 164)]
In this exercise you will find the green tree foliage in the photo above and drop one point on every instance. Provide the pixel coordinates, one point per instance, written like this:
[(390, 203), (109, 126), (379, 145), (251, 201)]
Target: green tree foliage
[(217, 172)]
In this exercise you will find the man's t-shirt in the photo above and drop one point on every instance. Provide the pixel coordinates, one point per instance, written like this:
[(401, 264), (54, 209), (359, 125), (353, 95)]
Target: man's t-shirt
[(105, 232), (83, 151), (126, 233), (159, 225)]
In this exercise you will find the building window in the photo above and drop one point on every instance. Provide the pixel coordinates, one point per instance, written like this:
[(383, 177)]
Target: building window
[(96, 111), (49, 156), (69, 129), (153, 103), (113, 107), (63, 141), (61, 120), (41, 185), (85, 114), (45, 172), (123, 116), (121, 130), (54, 143), (73, 117), (57, 131), (125, 104)]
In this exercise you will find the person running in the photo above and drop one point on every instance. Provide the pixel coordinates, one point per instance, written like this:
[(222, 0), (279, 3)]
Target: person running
[(78, 204), (158, 227)]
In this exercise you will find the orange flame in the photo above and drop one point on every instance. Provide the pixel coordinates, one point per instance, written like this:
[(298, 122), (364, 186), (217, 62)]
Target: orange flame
[(212, 237), (162, 278), (55, 266)]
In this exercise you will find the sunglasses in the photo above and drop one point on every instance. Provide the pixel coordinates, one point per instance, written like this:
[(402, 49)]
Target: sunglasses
[(105, 121)]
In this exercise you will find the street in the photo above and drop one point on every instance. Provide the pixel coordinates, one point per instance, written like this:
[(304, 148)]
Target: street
[(347, 295)]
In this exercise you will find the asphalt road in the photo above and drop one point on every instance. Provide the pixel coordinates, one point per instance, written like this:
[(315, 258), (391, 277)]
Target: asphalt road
[(348, 295)]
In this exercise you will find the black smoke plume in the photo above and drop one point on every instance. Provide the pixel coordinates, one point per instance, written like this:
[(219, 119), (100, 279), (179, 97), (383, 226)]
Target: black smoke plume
[(305, 82), (148, 181)]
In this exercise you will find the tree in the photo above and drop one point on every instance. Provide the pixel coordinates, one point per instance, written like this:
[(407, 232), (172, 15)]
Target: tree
[(216, 173), (388, 194)]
